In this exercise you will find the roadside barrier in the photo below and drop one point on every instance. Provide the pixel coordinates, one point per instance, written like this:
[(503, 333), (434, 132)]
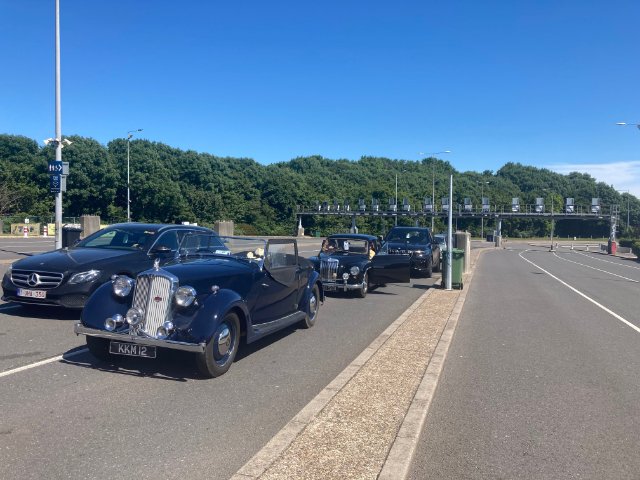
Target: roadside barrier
[(25, 232)]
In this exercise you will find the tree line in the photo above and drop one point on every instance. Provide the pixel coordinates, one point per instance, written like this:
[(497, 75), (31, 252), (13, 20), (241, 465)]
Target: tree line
[(171, 185)]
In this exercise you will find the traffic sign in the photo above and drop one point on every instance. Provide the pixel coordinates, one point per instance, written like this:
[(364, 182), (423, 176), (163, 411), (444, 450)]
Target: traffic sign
[(55, 167), (54, 183)]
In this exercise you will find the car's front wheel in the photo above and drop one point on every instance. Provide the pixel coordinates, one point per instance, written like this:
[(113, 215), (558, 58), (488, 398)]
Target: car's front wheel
[(99, 348), (429, 270), (365, 286), (221, 348), (313, 308)]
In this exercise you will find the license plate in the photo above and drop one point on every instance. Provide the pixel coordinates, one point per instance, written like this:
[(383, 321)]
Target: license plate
[(329, 288), (22, 292), (132, 350)]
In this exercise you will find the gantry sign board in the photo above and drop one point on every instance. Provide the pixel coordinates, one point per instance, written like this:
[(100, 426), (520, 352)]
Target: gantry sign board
[(58, 171)]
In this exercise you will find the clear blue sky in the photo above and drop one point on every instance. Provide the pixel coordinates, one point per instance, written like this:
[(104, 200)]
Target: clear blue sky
[(537, 82)]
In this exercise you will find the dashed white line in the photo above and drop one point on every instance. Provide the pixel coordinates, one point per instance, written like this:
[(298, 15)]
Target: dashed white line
[(599, 305), (594, 268), (607, 261)]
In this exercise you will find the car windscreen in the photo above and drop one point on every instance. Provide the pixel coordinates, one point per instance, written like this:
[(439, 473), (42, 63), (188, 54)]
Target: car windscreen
[(214, 245), (411, 237), (120, 238), (346, 245)]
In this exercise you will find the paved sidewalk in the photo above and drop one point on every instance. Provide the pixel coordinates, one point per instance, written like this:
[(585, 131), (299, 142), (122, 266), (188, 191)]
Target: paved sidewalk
[(366, 423)]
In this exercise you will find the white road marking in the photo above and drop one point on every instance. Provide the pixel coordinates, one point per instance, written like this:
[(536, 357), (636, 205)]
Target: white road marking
[(43, 362), (607, 261), (594, 268), (610, 312)]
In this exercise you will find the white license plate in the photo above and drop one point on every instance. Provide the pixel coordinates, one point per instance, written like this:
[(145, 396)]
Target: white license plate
[(32, 293)]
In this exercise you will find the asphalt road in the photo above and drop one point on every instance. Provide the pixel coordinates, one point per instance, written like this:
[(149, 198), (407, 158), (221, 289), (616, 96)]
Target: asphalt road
[(78, 418), (541, 379)]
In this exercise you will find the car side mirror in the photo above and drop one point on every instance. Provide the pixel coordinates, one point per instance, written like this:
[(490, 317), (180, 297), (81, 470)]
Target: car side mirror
[(161, 251)]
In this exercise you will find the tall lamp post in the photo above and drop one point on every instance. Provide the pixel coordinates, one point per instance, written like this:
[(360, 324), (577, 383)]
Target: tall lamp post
[(628, 195), (482, 184), (433, 182), (130, 134)]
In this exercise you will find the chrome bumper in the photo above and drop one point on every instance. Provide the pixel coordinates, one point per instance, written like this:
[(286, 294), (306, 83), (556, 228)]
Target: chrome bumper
[(333, 286), (80, 329)]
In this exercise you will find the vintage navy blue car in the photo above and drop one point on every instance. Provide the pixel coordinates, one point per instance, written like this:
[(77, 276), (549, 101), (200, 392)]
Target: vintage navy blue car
[(417, 242), (219, 290), (354, 262), (68, 276)]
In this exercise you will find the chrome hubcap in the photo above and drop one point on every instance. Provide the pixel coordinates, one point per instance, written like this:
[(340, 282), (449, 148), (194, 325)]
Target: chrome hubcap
[(313, 305), (224, 341)]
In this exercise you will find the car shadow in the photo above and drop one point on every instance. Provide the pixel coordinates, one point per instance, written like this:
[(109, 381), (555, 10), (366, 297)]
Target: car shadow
[(41, 312), (172, 365), (169, 365)]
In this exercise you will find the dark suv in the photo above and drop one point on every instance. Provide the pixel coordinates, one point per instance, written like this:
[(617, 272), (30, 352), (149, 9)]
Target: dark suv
[(417, 242)]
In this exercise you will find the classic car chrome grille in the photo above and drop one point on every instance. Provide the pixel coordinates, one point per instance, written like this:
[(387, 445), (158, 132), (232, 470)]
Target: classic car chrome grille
[(35, 279), (152, 296), (329, 269)]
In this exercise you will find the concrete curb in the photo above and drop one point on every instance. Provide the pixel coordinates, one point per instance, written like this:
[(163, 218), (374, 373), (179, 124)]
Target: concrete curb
[(398, 462), (262, 460)]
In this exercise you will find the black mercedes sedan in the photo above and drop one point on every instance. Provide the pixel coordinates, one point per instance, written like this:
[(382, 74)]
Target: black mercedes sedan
[(68, 276), (417, 242)]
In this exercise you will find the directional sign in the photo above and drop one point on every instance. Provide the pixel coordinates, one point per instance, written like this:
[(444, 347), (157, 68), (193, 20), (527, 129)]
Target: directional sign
[(54, 183), (55, 167)]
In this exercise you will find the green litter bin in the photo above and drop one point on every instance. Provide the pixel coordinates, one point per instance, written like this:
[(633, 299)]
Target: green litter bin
[(457, 267)]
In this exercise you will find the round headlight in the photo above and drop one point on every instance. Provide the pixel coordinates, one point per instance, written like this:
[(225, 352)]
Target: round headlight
[(122, 285), (134, 316), (185, 296), (354, 270), (110, 324), (165, 330), (345, 275), (113, 321)]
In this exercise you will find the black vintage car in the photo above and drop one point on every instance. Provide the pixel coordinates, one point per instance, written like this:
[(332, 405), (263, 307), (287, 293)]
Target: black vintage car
[(218, 290), (68, 276), (417, 242), (354, 262)]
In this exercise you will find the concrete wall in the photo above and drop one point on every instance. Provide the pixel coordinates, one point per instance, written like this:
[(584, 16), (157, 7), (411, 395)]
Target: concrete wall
[(89, 224), (224, 228)]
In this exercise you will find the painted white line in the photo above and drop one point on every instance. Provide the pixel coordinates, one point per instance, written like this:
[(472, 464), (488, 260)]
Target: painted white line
[(594, 268), (607, 261), (43, 362), (610, 312)]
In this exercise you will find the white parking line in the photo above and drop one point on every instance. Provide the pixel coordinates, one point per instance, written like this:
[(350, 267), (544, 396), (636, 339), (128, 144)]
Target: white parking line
[(43, 362), (594, 268), (607, 261), (610, 312)]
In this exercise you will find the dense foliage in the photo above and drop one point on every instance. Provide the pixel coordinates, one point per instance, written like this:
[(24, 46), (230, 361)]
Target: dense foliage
[(170, 185)]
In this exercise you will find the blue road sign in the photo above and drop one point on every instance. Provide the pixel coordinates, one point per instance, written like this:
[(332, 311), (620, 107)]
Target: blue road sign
[(54, 183), (55, 167)]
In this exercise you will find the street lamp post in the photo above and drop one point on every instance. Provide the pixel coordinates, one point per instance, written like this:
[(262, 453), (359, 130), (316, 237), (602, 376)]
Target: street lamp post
[(628, 195), (482, 184), (396, 200), (433, 183), (129, 135)]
